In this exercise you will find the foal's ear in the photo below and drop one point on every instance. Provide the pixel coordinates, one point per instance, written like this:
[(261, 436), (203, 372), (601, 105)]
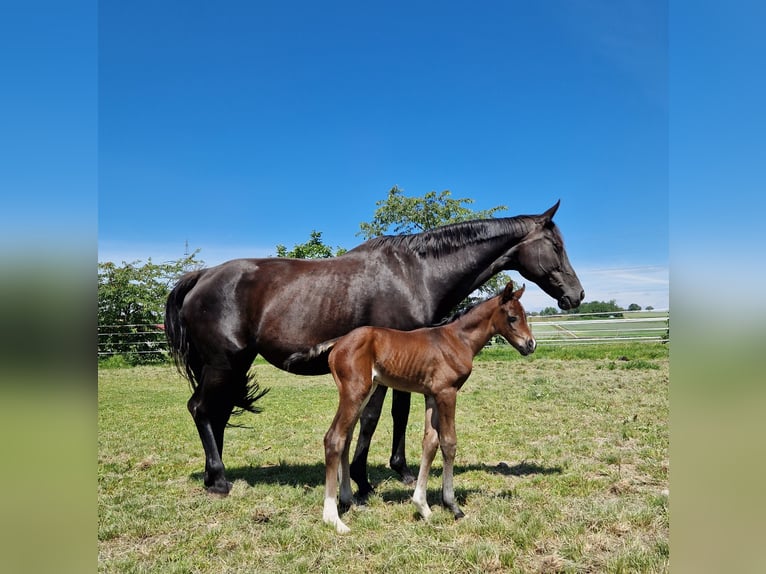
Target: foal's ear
[(509, 293), (517, 294)]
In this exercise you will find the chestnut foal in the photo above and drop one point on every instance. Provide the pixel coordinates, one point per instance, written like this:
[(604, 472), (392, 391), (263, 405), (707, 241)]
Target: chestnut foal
[(433, 361)]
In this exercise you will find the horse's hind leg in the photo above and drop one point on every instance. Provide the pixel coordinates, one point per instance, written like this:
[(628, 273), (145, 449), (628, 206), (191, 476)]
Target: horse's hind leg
[(400, 412), (211, 406), (367, 424)]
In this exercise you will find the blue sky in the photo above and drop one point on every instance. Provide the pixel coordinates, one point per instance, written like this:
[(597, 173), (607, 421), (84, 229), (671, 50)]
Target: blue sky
[(238, 126)]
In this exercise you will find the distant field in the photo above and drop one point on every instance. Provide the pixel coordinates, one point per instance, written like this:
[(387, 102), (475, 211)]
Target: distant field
[(562, 466)]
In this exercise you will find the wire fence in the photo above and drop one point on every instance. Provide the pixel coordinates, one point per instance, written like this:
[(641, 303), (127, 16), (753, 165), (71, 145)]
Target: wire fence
[(147, 343)]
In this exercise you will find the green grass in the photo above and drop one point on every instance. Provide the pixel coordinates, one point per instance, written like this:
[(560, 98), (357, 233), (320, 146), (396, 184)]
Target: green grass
[(562, 466)]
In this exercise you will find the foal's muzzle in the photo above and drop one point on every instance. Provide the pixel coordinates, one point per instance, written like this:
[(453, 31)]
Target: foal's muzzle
[(528, 347)]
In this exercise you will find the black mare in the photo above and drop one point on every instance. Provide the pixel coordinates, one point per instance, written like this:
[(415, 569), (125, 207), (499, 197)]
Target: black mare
[(218, 319)]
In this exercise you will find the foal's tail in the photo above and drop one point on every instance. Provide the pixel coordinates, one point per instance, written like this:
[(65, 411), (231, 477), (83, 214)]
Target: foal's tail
[(313, 353), (182, 350)]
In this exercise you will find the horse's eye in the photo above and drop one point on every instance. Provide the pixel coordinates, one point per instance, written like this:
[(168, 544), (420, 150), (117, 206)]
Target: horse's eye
[(512, 319)]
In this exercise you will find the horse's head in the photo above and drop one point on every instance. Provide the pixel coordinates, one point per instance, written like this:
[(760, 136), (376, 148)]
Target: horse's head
[(511, 321), (541, 258)]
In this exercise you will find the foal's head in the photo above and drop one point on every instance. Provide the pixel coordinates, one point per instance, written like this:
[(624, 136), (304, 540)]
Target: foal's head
[(511, 321)]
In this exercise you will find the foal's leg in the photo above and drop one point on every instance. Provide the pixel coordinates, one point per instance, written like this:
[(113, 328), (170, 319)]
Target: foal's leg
[(430, 444), (210, 407), (448, 441), (337, 443), (334, 443)]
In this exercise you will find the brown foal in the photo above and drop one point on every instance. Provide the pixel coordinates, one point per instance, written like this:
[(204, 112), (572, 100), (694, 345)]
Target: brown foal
[(433, 361)]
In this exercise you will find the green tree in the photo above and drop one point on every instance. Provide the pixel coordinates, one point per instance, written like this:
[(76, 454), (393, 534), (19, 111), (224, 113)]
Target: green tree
[(596, 309), (550, 311), (131, 305), (314, 248), (634, 307), (400, 214)]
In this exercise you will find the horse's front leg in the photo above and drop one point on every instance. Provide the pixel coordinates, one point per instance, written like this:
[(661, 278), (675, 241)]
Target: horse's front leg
[(400, 412), (448, 440)]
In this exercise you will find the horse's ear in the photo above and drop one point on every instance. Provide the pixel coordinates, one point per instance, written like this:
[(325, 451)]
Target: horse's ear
[(517, 294), (547, 217)]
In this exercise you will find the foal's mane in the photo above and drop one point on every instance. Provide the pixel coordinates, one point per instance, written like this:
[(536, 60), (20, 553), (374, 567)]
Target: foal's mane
[(462, 312), (450, 238)]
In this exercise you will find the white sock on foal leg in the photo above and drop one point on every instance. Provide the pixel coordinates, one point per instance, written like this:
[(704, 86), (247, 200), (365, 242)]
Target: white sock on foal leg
[(330, 516)]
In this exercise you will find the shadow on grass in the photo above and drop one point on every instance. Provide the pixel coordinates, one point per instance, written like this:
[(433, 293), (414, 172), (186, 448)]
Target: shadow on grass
[(312, 475)]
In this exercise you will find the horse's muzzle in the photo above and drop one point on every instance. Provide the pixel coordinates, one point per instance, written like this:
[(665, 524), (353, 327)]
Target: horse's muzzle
[(566, 302)]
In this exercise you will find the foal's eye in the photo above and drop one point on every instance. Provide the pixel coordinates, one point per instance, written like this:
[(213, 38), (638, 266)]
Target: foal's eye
[(512, 319)]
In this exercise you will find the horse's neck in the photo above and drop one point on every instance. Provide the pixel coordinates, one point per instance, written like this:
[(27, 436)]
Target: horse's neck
[(475, 328), (451, 275)]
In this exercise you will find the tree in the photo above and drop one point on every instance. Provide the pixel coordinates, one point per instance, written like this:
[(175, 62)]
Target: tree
[(401, 215), (131, 303), (634, 307), (549, 311), (595, 309), (314, 248)]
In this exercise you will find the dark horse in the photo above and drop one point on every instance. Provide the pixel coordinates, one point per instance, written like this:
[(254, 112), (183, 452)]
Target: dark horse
[(433, 361), (218, 319)]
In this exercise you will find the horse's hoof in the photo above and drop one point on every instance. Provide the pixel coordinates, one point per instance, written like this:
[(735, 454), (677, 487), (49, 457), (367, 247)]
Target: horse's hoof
[(364, 492), (403, 471), (220, 489)]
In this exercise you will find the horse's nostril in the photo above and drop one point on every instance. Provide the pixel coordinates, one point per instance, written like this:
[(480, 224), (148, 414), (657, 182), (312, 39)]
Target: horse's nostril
[(582, 295)]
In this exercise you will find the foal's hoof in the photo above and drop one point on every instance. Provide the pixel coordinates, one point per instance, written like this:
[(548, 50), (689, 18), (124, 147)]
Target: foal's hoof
[(341, 528), (455, 509)]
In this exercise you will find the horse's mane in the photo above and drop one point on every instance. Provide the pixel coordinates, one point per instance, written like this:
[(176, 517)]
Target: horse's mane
[(449, 238)]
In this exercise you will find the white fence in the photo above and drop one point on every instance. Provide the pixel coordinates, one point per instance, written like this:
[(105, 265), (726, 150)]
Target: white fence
[(638, 326), (148, 340)]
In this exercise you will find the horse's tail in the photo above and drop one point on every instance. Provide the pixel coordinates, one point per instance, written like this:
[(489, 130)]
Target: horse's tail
[(182, 350), (312, 353)]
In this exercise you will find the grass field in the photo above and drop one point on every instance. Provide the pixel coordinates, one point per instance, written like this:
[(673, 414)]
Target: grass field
[(562, 466)]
